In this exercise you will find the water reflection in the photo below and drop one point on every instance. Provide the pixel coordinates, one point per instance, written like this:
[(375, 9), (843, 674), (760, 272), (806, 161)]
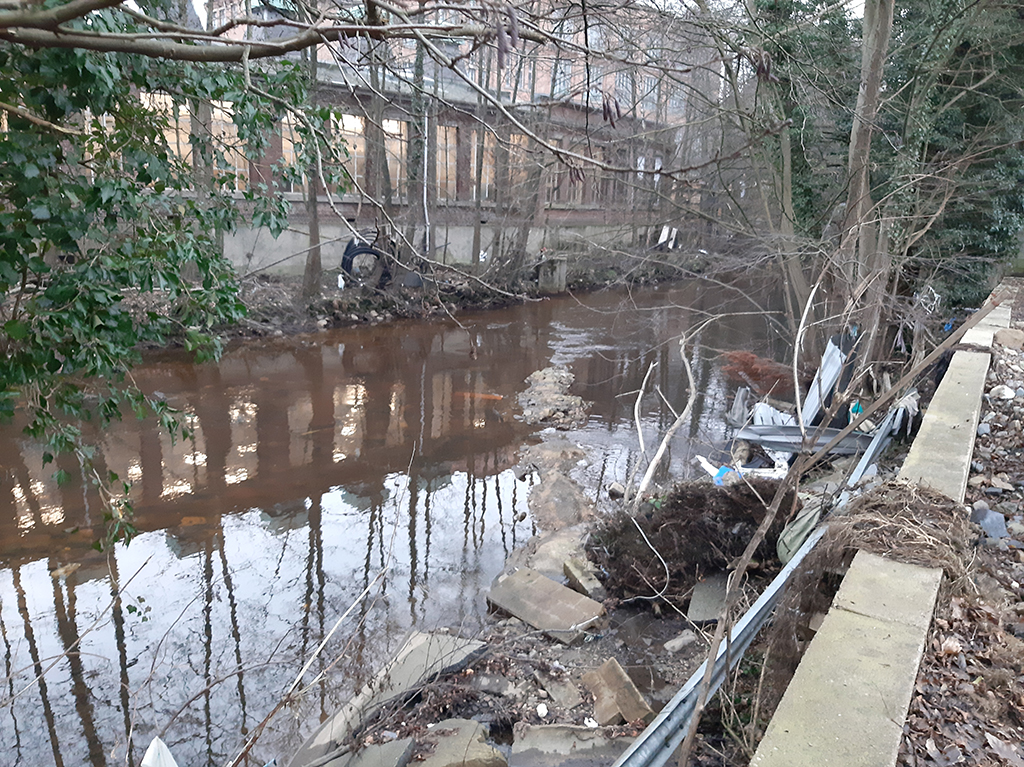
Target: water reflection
[(313, 465)]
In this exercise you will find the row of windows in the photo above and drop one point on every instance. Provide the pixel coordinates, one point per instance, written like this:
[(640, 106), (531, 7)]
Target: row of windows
[(458, 152)]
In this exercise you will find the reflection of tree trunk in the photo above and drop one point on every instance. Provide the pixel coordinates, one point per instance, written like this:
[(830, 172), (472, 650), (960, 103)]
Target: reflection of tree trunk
[(321, 396), (272, 434), (37, 667), (208, 644), (236, 633), (316, 580), (117, 613), (212, 408), (68, 632), (314, 267), (151, 461)]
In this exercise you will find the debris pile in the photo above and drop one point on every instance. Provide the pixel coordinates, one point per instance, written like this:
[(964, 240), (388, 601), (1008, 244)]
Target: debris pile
[(696, 530)]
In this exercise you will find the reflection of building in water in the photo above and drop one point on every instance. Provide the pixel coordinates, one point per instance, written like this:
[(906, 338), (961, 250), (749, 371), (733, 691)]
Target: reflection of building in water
[(269, 428), (349, 421), (183, 465)]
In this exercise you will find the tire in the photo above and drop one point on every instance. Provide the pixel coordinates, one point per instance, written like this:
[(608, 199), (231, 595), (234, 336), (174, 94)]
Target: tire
[(364, 264)]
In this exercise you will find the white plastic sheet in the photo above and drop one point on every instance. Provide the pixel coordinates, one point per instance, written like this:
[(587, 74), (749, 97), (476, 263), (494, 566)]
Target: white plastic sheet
[(158, 755)]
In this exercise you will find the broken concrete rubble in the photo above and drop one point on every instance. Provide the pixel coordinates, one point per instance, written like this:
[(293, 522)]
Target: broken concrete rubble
[(676, 644), (547, 401), (563, 692), (616, 698), (548, 553), (553, 745), (421, 656), (558, 502), (557, 610), (396, 753), (580, 573), (461, 742)]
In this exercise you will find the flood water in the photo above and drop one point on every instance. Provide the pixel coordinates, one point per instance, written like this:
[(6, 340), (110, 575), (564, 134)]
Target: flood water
[(372, 457)]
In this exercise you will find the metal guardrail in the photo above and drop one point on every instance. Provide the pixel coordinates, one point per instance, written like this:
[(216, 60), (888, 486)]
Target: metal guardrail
[(658, 743)]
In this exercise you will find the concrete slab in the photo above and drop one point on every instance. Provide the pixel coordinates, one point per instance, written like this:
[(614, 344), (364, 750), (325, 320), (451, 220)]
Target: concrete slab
[(558, 745), (850, 694), (708, 598), (461, 743), (393, 754), (616, 698), (940, 457), (422, 656), (557, 610), (868, 590)]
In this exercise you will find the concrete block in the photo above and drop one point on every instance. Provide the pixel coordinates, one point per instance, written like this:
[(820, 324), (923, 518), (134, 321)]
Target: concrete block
[(848, 698), (616, 698), (557, 610), (461, 743), (940, 457), (889, 591), (850, 694), (558, 745), (421, 657), (580, 574)]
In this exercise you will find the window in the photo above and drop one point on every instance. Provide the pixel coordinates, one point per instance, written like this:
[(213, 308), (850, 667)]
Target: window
[(561, 79), (649, 97), (596, 84), (486, 190), (349, 128), (447, 162), (562, 189), (624, 88), (230, 164), (396, 134), (676, 100), (179, 123), (289, 142), (518, 163)]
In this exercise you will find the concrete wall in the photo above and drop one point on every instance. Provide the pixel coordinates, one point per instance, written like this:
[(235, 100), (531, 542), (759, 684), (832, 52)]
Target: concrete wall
[(256, 250)]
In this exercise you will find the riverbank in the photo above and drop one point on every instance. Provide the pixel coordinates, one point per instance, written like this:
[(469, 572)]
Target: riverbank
[(533, 690), (275, 305)]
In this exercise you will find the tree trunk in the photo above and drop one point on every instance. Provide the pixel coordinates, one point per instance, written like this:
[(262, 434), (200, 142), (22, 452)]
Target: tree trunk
[(863, 261), (314, 267)]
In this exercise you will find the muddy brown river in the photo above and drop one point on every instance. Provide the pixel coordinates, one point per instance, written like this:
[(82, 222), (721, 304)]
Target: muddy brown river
[(319, 466)]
